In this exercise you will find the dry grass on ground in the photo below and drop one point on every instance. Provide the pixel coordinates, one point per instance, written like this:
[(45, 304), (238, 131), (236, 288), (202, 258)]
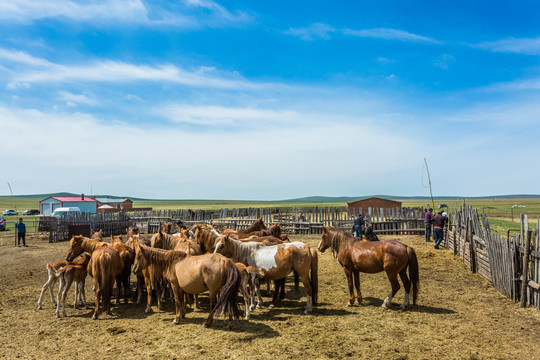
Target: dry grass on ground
[(458, 316)]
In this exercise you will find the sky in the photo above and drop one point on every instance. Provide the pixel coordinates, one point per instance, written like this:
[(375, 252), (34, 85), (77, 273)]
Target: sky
[(269, 100)]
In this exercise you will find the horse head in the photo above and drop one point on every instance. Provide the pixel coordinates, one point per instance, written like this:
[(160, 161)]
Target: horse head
[(222, 245), (139, 261), (76, 248), (97, 235), (116, 239), (325, 240)]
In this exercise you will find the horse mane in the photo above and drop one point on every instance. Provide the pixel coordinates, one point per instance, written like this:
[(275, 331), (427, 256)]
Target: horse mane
[(242, 250), (92, 244), (338, 240), (160, 257)]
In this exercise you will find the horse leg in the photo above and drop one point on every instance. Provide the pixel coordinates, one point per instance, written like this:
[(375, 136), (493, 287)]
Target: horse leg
[(277, 287), (97, 286), (296, 281), (83, 293), (406, 285), (349, 275), (125, 283), (245, 295), (178, 302), (282, 289), (60, 289), (48, 285), (64, 295), (309, 292), (357, 285), (139, 293), (213, 299), (118, 288), (77, 295), (258, 293), (395, 287)]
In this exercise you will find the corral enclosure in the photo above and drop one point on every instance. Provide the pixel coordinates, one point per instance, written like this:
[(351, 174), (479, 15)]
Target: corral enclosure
[(459, 315)]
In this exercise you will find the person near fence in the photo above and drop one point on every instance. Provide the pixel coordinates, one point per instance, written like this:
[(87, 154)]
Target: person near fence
[(21, 232), (439, 222), (358, 227), (427, 221)]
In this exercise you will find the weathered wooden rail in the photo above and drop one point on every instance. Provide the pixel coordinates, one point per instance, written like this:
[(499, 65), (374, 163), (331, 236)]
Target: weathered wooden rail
[(511, 264)]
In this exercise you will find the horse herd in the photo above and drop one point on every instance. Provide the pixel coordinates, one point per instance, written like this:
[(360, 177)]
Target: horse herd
[(202, 259)]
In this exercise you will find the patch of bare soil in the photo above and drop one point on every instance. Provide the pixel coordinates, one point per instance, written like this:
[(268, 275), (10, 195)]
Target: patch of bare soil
[(458, 316)]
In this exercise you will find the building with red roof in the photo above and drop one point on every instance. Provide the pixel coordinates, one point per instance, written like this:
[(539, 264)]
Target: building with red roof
[(85, 204)]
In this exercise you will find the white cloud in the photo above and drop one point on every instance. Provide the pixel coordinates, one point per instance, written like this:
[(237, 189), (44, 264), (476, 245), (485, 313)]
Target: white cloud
[(316, 30), (443, 61), (43, 71), (528, 46), (75, 99), (389, 34), (121, 11), (219, 115)]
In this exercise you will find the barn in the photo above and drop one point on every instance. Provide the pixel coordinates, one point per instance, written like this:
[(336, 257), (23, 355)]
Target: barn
[(85, 204), (372, 202)]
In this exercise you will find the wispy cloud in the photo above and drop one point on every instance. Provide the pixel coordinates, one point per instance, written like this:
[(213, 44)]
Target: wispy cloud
[(43, 71), (220, 115), (390, 34), (528, 46), (316, 30), (184, 14), (76, 99)]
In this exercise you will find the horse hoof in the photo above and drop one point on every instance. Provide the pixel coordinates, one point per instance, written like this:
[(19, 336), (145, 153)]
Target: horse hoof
[(175, 322), (148, 310), (258, 306), (384, 306), (306, 312), (58, 316), (348, 305), (270, 307), (94, 317), (39, 307), (403, 307)]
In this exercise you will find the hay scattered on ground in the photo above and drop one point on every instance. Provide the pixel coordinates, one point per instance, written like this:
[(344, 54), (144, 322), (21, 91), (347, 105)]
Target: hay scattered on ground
[(458, 316)]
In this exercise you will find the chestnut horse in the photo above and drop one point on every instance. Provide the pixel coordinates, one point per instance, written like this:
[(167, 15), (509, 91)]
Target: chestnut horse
[(371, 257), (105, 265), (277, 262), (194, 275)]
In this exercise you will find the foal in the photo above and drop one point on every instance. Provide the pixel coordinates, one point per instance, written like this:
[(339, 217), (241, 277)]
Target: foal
[(69, 274), (52, 267)]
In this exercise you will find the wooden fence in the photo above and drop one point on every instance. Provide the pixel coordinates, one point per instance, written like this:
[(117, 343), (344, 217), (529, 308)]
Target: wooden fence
[(293, 220), (511, 264), (62, 228)]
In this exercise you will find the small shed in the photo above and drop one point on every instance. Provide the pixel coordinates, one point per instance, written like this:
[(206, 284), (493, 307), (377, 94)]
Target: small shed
[(119, 204), (372, 202), (85, 204)]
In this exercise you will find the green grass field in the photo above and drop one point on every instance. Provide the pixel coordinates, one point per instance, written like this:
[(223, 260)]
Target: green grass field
[(499, 211)]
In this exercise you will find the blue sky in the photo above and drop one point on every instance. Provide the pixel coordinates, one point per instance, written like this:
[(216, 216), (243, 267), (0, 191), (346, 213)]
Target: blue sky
[(269, 100)]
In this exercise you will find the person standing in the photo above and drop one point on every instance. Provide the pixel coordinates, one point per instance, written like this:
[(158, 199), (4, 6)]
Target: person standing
[(439, 221), (427, 221), (358, 227), (21, 232)]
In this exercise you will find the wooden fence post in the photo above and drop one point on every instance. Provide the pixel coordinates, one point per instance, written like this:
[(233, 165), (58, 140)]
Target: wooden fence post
[(524, 275)]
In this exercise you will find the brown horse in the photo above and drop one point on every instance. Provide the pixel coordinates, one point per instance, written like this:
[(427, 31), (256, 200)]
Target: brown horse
[(256, 226), (97, 235), (390, 256), (194, 275), (277, 261), (206, 237), (127, 254), (105, 265)]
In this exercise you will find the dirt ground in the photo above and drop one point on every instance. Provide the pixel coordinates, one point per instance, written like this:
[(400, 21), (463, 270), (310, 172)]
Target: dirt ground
[(458, 316)]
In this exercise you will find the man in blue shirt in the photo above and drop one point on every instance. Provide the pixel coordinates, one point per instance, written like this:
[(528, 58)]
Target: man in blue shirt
[(358, 227), (21, 232)]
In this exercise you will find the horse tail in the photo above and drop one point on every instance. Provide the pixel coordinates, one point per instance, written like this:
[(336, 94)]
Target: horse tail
[(314, 279), (413, 272), (227, 302)]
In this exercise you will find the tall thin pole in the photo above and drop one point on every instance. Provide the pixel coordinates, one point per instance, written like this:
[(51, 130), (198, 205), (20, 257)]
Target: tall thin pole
[(16, 230), (429, 180)]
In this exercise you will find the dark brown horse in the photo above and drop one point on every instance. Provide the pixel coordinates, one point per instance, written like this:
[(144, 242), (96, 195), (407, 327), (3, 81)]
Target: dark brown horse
[(194, 275), (256, 226), (357, 256), (105, 265), (206, 237), (127, 254)]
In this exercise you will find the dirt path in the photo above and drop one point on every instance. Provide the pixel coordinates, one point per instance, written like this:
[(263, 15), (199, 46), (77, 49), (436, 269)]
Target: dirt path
[(458, 316)]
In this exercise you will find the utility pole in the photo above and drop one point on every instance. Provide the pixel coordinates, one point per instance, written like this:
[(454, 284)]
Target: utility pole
[(429, 180)]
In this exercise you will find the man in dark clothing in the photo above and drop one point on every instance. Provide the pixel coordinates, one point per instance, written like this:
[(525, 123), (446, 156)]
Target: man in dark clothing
[(429, 217), (358, 227), (439, 221), (21, 232)]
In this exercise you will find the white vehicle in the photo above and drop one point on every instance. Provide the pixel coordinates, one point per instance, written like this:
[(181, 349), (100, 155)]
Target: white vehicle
[(68, 211)]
